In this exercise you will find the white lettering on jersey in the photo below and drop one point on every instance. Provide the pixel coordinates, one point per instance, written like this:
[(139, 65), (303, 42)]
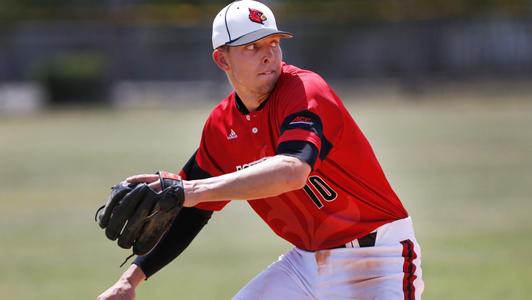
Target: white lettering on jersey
[(241, 167)]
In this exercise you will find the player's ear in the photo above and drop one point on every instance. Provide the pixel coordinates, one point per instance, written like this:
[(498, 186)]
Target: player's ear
[(220, 59)]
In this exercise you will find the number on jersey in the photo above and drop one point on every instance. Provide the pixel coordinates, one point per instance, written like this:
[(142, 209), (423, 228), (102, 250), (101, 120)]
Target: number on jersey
[(325, 192)]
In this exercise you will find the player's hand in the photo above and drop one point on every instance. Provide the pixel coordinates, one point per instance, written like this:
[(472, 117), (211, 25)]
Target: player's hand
[(151, 179), (121, 290)]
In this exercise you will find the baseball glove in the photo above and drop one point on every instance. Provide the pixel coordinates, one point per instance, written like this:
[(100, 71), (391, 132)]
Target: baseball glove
[(138, 216)]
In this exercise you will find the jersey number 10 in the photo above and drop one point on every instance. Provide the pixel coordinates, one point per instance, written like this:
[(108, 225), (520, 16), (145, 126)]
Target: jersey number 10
[(323, 189)]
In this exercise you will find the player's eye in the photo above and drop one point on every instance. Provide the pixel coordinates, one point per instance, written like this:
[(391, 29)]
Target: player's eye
[(275, 44), (250, 47)]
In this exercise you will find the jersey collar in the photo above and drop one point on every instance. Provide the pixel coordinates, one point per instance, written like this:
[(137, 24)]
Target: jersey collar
[(243, 109)]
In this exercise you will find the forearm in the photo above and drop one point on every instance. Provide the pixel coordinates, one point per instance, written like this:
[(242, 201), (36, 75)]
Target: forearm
[(186, 226), (274, 176), (133, 275)]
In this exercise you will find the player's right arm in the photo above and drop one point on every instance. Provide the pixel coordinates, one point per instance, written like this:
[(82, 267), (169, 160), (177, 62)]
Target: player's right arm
[(124, 287), (186, 226)]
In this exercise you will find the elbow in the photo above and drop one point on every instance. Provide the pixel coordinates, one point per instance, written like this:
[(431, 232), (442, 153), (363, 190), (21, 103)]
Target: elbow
[(299, 180), (295, 173)]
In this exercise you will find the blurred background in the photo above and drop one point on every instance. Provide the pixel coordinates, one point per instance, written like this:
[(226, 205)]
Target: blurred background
[(442, 89)]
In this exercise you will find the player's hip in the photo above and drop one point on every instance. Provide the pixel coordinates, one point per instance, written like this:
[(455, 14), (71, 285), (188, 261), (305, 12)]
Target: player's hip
[(389, 269), (389, 262)]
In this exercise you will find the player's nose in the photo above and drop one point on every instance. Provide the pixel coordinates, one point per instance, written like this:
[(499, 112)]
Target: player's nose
[(268, 55)]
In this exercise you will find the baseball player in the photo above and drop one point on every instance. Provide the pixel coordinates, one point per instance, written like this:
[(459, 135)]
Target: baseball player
[(283, 141)]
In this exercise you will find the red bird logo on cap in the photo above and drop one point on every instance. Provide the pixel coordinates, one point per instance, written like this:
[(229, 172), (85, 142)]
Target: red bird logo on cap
[(257, 16)]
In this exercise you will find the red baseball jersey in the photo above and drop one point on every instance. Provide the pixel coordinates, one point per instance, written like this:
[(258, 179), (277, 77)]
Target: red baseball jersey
[(347, 194)]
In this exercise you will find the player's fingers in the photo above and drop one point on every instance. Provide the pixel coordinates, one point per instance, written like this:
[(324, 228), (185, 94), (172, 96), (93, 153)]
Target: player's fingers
[(156, 186), (147, 178)]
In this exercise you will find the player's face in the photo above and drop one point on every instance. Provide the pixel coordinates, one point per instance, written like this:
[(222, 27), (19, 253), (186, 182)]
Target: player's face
[(256, 67)]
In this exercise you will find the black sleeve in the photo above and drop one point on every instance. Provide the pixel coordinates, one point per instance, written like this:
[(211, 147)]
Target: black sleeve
[(193, 171), (305, 151), (186, 226)]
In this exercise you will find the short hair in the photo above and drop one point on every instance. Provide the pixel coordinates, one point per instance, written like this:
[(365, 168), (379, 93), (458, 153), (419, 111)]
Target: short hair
[(224, 48)]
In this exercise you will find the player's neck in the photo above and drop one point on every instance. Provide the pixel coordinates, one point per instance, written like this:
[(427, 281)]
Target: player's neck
[(251, 100)]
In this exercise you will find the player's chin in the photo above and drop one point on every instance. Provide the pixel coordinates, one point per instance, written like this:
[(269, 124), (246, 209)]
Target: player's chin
[(266, 88), (267, 81)]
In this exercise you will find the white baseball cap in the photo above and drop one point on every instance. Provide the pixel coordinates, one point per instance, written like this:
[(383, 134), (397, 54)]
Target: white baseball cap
[(243, 22)]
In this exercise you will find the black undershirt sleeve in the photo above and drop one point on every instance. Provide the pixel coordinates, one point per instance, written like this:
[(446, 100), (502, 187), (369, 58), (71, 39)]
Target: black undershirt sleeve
[(305, 151), (186, 226), (184, 229)]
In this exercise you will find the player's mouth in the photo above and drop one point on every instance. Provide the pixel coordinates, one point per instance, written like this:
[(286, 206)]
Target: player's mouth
[(267, 73)]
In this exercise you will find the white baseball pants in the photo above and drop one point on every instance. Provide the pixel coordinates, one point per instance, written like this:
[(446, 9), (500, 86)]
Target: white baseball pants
[(389, 270)]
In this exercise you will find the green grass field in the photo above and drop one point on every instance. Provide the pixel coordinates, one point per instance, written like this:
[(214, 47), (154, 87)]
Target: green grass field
[(464, 171)]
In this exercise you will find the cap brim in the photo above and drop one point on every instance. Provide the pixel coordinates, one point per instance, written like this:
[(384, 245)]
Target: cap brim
[(257, 35)]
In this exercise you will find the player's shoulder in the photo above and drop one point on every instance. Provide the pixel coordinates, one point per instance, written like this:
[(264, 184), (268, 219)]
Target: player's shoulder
[(220, 111), (223, 106)]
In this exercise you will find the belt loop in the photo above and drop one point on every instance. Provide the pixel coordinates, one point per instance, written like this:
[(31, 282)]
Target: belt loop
[(365, 241), (352, 244), (368, 240)]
